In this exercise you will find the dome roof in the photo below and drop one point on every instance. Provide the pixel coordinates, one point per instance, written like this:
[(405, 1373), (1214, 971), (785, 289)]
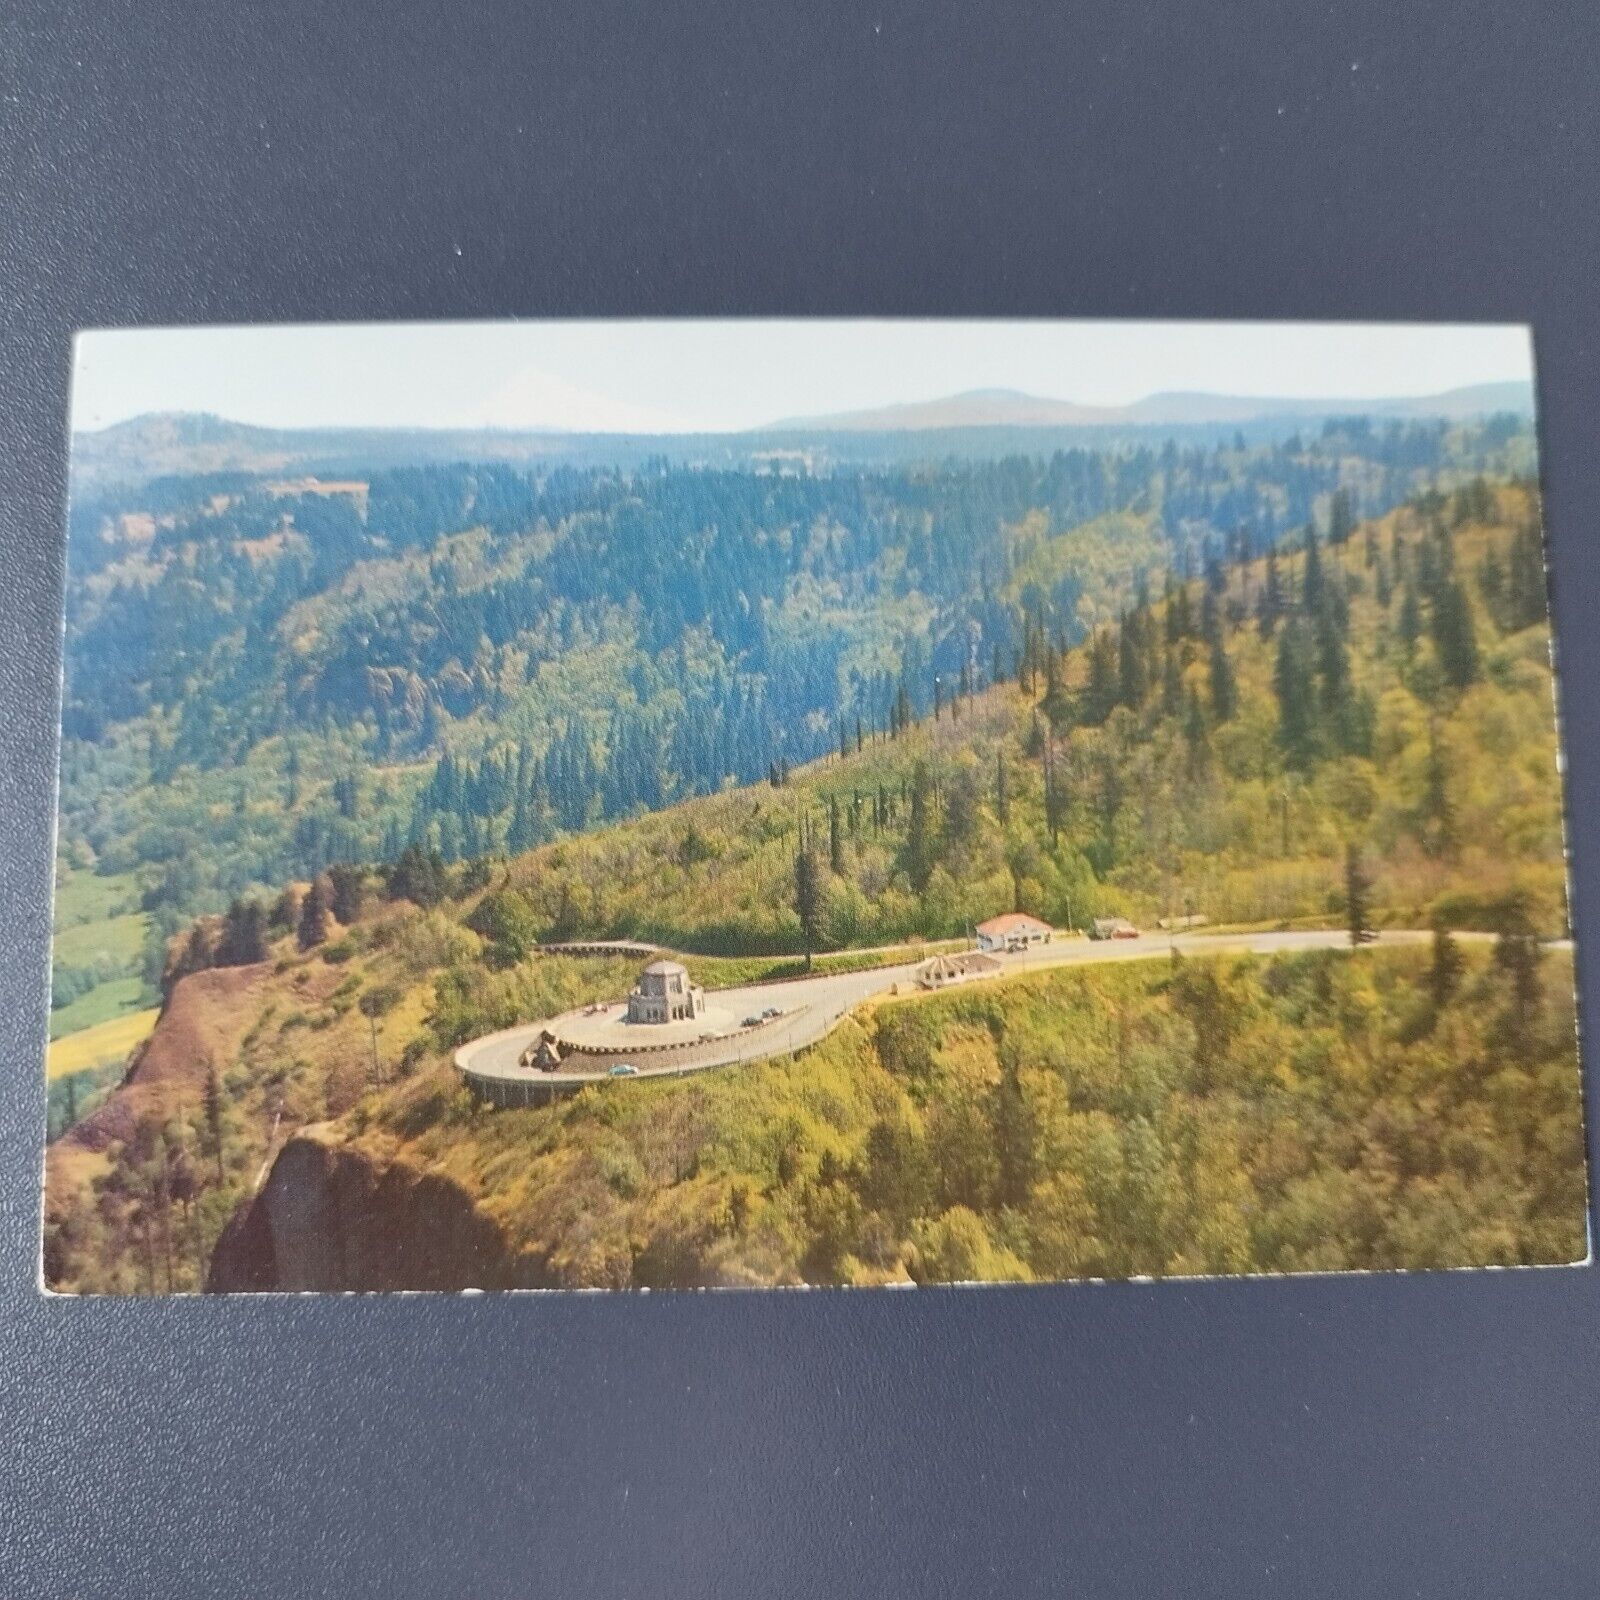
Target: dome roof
[(665, 969)]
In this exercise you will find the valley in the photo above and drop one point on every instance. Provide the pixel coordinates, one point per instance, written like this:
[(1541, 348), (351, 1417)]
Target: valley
[(1298, 736)]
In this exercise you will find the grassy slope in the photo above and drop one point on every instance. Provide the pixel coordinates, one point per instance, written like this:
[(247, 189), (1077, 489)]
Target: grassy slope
[(97, 924), (81, 1029)]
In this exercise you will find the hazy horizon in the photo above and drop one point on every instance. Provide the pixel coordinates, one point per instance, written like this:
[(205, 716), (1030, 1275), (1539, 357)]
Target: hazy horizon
[(733, 376)]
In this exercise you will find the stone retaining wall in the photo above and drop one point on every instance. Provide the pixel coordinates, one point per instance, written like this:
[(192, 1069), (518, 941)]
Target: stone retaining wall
[(574, 1057)]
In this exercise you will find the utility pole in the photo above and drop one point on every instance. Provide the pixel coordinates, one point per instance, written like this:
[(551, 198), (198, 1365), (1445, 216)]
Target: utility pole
[(377, 1071)]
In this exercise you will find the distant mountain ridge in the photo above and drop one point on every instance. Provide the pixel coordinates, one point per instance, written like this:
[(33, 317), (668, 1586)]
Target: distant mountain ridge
[(1010, 408), (157, 443), (160, 443)]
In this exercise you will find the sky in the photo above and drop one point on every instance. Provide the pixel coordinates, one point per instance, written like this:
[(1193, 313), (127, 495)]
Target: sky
[(719, 375)]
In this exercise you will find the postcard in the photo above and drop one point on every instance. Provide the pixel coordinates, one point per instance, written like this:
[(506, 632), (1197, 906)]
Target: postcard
[(739, 804)]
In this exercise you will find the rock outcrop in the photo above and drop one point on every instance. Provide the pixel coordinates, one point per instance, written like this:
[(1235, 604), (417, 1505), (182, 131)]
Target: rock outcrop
[(331, 1218)]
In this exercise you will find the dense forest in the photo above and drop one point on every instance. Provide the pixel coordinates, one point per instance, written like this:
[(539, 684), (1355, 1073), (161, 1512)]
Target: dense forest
[(1350, 725), (265, 677)]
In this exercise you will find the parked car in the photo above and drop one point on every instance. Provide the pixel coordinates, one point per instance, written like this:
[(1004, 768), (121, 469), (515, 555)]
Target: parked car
[(751, 1022), (769, 1013), (1112, 928), (624, 1069)]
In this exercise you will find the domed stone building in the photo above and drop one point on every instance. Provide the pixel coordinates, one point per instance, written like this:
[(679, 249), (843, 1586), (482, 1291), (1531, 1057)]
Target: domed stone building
[(664, 994)]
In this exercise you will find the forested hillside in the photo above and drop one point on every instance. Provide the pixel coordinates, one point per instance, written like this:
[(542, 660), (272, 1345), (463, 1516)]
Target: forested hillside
[(1354, 725), (1323, 1112), (265, 676)]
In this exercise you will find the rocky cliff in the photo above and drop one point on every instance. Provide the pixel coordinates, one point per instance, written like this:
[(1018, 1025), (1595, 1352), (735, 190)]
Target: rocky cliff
[(333, 1218)]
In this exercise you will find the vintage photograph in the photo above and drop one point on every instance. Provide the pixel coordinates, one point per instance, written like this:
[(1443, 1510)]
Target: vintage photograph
[(728, 804)]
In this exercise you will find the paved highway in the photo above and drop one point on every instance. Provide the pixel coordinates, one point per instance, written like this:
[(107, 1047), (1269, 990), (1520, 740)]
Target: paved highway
[(812, 1006)]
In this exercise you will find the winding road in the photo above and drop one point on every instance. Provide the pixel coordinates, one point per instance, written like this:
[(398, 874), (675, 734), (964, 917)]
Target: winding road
[(811, 1007)]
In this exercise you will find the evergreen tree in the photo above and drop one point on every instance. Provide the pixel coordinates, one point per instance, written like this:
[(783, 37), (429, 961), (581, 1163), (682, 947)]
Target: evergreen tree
[(1454, 637), (345, 796), (1195, 731), (1438, 810), (1171, 683), (1444, 972), (1015, 1137), (808, 897), (1333, 662), (1518, 954), (1341, 519), (835, 838), (896, 1177), (348, 886), (314, 915), (1210, 1011), (1100, 694), (1057, 703), (1180, 617), (418, 875), (919, 829), (1492, 585), (1224, 691), (285, 914), (244, 935), (1312, 584), (1525, 598), (1055, 800), (1410, 625), (1357, 892), (1133, 678), (1292, 683), (901, 718), (1269, 603), (213, 1108)]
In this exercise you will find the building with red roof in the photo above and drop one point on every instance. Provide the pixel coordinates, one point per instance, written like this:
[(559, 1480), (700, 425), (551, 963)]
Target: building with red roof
[(1015, 930)]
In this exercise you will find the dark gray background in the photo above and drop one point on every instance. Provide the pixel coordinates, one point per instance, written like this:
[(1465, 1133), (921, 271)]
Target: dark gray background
[(173, 162)]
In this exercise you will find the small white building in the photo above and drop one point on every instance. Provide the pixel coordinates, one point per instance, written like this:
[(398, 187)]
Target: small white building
[(939, 972), (1015, 930), (664, 994)]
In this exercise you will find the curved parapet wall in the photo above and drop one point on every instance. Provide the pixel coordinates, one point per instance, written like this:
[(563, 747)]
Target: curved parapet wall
[(634, 949), (575, 1052), (585, 1064)]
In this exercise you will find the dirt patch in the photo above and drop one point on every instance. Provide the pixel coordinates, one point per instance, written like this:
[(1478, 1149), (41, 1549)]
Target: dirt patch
[(204, 1021)]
